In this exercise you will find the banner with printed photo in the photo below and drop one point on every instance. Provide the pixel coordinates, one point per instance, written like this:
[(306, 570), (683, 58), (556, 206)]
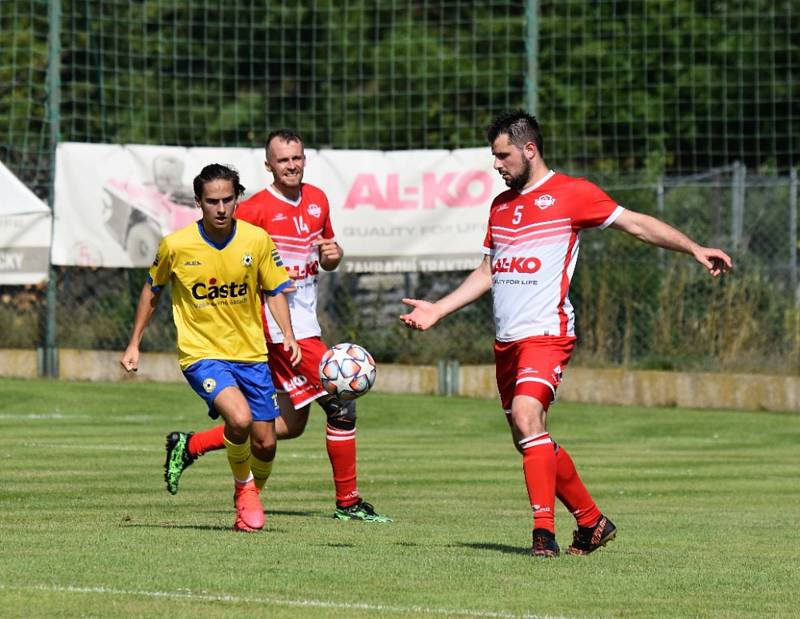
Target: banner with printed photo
[(391, 211)]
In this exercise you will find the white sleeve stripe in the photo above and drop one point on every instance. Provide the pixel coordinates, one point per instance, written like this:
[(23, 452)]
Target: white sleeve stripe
[(613, 217)]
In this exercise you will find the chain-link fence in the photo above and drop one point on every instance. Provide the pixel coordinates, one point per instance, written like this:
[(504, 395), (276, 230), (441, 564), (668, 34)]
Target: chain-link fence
[(636, 306), (655, 100)]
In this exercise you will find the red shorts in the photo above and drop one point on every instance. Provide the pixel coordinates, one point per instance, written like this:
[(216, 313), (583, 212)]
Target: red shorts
[(301, 382), (531, 367)]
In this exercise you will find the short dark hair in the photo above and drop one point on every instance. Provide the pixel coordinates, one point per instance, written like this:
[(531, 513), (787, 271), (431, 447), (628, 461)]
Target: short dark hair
[(217, 172), (287, 135), (519, 126)]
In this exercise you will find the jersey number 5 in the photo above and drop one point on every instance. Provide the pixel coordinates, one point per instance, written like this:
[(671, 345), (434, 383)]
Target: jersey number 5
[(517, 214)]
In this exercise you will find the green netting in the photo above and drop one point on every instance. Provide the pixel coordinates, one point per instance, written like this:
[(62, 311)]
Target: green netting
[(659, 100), (652, 85)]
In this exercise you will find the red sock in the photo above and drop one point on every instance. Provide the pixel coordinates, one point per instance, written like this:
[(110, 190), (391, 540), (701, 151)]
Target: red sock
[(207, 440), (539, 466), (341, 446), (571, 491)]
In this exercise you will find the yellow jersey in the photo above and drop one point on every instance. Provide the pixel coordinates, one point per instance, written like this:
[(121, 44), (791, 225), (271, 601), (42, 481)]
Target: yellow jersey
[(216, 290)]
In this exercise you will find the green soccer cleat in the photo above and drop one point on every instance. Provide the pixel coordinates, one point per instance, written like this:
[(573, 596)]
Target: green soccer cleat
[(178, 459), (360, 511)]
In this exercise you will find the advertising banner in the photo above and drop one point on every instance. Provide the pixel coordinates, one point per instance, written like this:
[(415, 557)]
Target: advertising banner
[(25, 231), (391, 211)]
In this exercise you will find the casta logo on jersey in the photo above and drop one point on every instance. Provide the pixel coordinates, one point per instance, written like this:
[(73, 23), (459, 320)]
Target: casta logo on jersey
[(517, 264), (214, 290), (545, 201)]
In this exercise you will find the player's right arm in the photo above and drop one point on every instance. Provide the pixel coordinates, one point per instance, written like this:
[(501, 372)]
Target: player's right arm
[(426, 314), (148, 300), (157, 278)]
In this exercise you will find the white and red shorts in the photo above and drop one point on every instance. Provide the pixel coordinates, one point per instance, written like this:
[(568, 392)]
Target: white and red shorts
[(531, 367), (301, 383)]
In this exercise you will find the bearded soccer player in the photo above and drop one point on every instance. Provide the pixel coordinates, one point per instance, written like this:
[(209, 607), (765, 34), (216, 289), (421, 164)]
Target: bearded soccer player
[(530, 251), (218, 268), (297, 217)]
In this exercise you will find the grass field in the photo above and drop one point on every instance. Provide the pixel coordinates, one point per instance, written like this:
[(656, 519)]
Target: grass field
[(707, 505)]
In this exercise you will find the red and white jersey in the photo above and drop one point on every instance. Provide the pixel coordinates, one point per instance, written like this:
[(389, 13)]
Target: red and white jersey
[(532, 241), (292, 226)]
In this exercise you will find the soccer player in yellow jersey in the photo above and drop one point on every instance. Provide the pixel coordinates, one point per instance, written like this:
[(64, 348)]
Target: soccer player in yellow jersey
[(219, 267)]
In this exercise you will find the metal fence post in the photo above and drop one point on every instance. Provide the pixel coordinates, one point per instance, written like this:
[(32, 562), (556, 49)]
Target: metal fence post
[(660, 211), (50, 358), (452, 377), (793, 235), (737, 203), (441, 374), (532, 56)]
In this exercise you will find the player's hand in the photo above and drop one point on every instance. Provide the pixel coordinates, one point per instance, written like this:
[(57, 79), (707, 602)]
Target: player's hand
[(715, 260), (130, 359), (293, 273), (422, 317), (329, 252), (292, 346)]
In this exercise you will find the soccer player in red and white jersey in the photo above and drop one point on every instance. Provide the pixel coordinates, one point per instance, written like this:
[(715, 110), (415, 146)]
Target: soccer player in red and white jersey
[(530, 248), (297, 217)]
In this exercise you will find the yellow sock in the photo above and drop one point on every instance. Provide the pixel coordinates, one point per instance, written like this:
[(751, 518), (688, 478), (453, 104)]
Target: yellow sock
[(239, 459), (261, 471)]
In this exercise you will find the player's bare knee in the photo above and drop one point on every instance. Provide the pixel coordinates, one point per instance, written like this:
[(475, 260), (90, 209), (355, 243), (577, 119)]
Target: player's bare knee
[(294, 422), (263, 448), (341, 415), (263, 438), (236, 432)]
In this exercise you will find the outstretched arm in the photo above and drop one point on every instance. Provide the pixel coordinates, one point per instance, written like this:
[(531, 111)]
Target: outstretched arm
[(148, 300), (426, 314), (656, 232)]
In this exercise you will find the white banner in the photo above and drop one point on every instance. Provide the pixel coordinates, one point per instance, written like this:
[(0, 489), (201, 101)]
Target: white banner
[(25, 232), (391, 211)]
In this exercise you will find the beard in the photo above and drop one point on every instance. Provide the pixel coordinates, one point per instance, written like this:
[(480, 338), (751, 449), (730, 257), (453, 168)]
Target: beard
[(520, 180)]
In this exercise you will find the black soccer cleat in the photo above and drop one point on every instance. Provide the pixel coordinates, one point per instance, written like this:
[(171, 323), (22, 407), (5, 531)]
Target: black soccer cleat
[(178, 459), (586, 540), (544, 544)]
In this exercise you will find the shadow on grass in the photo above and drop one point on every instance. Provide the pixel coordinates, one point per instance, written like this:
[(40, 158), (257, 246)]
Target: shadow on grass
[(273, 512), (268, 530), (507, 550), (175, 525), (297, 512)]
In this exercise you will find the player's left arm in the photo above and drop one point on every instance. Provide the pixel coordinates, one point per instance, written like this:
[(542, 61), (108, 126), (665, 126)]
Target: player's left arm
[(656, 232), (330, 253), (273, 282), (278, 306)]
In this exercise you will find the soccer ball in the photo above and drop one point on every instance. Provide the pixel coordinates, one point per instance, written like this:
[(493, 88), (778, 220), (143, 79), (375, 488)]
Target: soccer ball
[(347, 371)]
